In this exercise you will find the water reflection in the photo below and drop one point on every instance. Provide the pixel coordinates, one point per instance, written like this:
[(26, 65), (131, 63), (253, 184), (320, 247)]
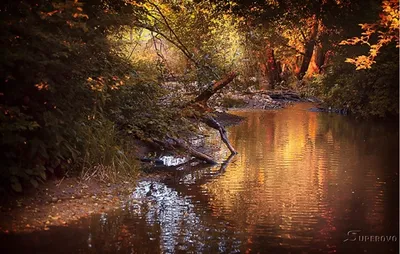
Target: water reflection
[(305, 179), (300, 182)]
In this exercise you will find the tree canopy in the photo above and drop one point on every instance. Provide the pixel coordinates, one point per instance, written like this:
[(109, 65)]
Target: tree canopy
[(82, 79)]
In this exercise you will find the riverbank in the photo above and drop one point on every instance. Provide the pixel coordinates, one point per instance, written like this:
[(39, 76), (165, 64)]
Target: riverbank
[(271, 183), (60, 202), (258, 99)]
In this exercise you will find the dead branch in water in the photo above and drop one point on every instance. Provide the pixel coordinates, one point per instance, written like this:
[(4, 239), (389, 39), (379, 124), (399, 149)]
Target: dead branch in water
[(200, 105)]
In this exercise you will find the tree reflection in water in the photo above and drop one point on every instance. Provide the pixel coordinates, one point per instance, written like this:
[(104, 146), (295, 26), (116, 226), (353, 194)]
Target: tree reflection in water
[(300, 182)]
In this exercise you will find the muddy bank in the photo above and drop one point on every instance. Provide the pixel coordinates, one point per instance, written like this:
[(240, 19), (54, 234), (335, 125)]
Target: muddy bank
[(59, 203)]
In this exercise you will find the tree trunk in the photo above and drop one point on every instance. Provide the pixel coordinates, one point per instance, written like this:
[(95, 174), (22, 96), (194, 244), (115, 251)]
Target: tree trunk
[(272, 69), (318, 56), (269, 69), (316, 62), (200, 103), (297, 65), (214, 87), (176, 144), (309, 49), (306, 59), (326, 60), (195, 153), (211, 122)]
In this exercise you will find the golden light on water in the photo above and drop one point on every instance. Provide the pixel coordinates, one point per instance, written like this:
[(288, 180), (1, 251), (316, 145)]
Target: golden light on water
[(300, 182), (294, 175)]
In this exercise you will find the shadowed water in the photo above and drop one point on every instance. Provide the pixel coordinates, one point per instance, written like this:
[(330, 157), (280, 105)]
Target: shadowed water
[(300, 182)]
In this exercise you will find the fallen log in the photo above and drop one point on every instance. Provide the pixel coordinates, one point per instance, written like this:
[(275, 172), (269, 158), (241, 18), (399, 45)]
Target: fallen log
[(211, 122), (193, 152), (214, 87), (200, 104), (177, 144)]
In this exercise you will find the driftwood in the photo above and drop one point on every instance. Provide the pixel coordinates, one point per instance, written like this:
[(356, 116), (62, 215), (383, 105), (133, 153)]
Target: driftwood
[(199, 155), (182, 145), (200, 103), (177, 144), (211, 122)]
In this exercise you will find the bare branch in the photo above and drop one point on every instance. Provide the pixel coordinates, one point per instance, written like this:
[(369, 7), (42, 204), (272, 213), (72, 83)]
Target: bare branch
[(181, 46)]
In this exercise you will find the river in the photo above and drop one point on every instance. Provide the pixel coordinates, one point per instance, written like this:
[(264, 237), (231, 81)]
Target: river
[(301, 181)]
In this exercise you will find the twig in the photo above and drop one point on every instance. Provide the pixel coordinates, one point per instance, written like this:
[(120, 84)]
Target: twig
[(62, 179)]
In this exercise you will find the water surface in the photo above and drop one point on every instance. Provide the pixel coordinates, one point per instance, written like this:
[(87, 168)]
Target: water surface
[(300, 182)]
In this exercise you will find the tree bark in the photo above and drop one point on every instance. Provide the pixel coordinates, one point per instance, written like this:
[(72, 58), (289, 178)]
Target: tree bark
[(176, 144), (272, 69), (215, 87), (269, 68), (200, 102), (309, 48), (195, 153), (211, 122), (316, 61), (318, 55), (327, 58)]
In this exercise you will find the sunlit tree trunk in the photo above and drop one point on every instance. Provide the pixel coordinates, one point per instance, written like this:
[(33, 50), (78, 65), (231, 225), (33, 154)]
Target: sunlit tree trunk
[(308, 48), (318, 55), (317, 60), (326, 60), (297, 65), (284, 71), (214, 87)]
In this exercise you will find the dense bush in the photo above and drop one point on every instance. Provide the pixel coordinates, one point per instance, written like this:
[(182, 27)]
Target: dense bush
[(68, 100), (367, 93), (78, 81)]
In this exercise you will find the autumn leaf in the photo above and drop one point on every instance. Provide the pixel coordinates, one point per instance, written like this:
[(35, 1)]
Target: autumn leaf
[(387, 28)]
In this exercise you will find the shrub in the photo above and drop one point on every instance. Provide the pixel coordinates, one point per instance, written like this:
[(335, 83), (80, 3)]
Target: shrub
[(367, 93)]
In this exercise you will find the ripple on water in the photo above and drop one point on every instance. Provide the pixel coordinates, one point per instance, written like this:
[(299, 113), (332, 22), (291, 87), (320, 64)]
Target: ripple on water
[(300, 182)]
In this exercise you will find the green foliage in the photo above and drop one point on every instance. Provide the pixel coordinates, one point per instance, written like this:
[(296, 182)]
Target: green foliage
[(42, 69), (142, 111), (102, 145), (373, 92), (68, 100), (75, 90)]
